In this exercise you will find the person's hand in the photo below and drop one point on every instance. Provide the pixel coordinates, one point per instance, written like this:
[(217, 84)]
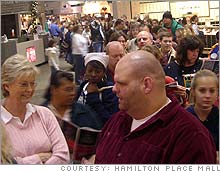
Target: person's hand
[(180, 91), (92, 88), (91, 160), (44, 156)]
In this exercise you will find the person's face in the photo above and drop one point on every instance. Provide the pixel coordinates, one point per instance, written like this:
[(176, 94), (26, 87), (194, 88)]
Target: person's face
[(80, 30), (71, 28), (205, 93), (134, 32), (166, 43), (66, 92), (196, 19), (94, 75), (143, 39), (121, 26), (167, 22), (178, 37), (155, 23), (192, 56), (22, 89), (122, 40), (115, 54), (126, 88)]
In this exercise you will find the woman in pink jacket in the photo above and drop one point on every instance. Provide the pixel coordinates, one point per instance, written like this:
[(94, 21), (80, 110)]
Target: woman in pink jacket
[(34, 132)]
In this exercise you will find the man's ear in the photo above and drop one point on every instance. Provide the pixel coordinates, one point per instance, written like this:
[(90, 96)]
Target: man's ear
[(148, 84)]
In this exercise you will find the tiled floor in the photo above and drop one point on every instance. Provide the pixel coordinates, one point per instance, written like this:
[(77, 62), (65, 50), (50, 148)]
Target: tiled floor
[(43, 80)]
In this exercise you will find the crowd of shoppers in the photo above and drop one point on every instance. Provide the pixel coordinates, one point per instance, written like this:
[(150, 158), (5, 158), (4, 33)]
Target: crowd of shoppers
[(131, 82)]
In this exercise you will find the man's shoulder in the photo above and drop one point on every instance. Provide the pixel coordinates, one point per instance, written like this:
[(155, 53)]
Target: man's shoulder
[(117, 119), (185, 121)]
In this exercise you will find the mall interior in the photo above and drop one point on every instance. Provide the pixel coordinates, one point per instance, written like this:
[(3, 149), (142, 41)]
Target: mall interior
[(16, 17), (32, 28)]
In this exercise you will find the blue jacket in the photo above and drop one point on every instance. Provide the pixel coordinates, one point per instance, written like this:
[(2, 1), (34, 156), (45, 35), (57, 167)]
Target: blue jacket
[(55, 30), (177, 71), (104, 102), (83, 116), (211, 123)]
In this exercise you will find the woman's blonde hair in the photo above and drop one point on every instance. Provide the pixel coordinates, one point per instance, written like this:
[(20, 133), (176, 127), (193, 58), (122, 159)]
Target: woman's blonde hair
[(15, 67), (6, 157), (154, 50), (194, 83)]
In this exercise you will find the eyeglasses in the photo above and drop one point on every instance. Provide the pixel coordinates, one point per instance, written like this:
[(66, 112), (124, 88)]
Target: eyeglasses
[(25, 85)]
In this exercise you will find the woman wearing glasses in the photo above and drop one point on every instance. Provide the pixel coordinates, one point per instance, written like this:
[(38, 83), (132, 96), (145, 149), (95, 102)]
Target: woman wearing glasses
[(33, 130)]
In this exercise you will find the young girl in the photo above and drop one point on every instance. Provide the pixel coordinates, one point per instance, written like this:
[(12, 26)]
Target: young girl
[(96, 92), (203, 94), (53, 55)]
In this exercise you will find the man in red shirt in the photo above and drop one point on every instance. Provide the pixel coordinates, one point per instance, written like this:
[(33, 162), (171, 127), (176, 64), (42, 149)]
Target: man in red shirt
[(150, 128)]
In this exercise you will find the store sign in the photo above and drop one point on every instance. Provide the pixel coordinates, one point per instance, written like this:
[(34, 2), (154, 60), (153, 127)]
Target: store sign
[(31, 53)]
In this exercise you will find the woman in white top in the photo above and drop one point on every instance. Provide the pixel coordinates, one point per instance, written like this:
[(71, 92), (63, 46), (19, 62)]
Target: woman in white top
[(53, 55), (194, 20), (79, 50)]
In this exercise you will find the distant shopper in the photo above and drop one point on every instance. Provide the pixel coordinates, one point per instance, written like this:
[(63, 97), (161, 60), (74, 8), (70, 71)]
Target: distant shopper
[(115, 51), (183, 32), (194, 21), (187, 60), (171, 24), (144, 38), (79, 51), (119, 25), (97, 36), (53, 55), (55, 30), (166, 48), (120, 37)]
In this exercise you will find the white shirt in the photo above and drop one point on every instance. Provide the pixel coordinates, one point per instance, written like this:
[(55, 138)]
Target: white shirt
[(79, 45), (137, 123)]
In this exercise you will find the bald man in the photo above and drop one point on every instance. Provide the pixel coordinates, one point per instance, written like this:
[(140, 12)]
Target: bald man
[(150, 128), (115, 51), (144, 38)]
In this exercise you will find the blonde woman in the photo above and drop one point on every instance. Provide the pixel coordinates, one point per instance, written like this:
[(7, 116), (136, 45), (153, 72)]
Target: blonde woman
[(34, 132), (203, 94), (6, 157)]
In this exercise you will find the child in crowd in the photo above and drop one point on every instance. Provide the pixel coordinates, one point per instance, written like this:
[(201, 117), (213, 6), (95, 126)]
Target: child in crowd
[(204, 92), (96, 92), (53, 55)]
